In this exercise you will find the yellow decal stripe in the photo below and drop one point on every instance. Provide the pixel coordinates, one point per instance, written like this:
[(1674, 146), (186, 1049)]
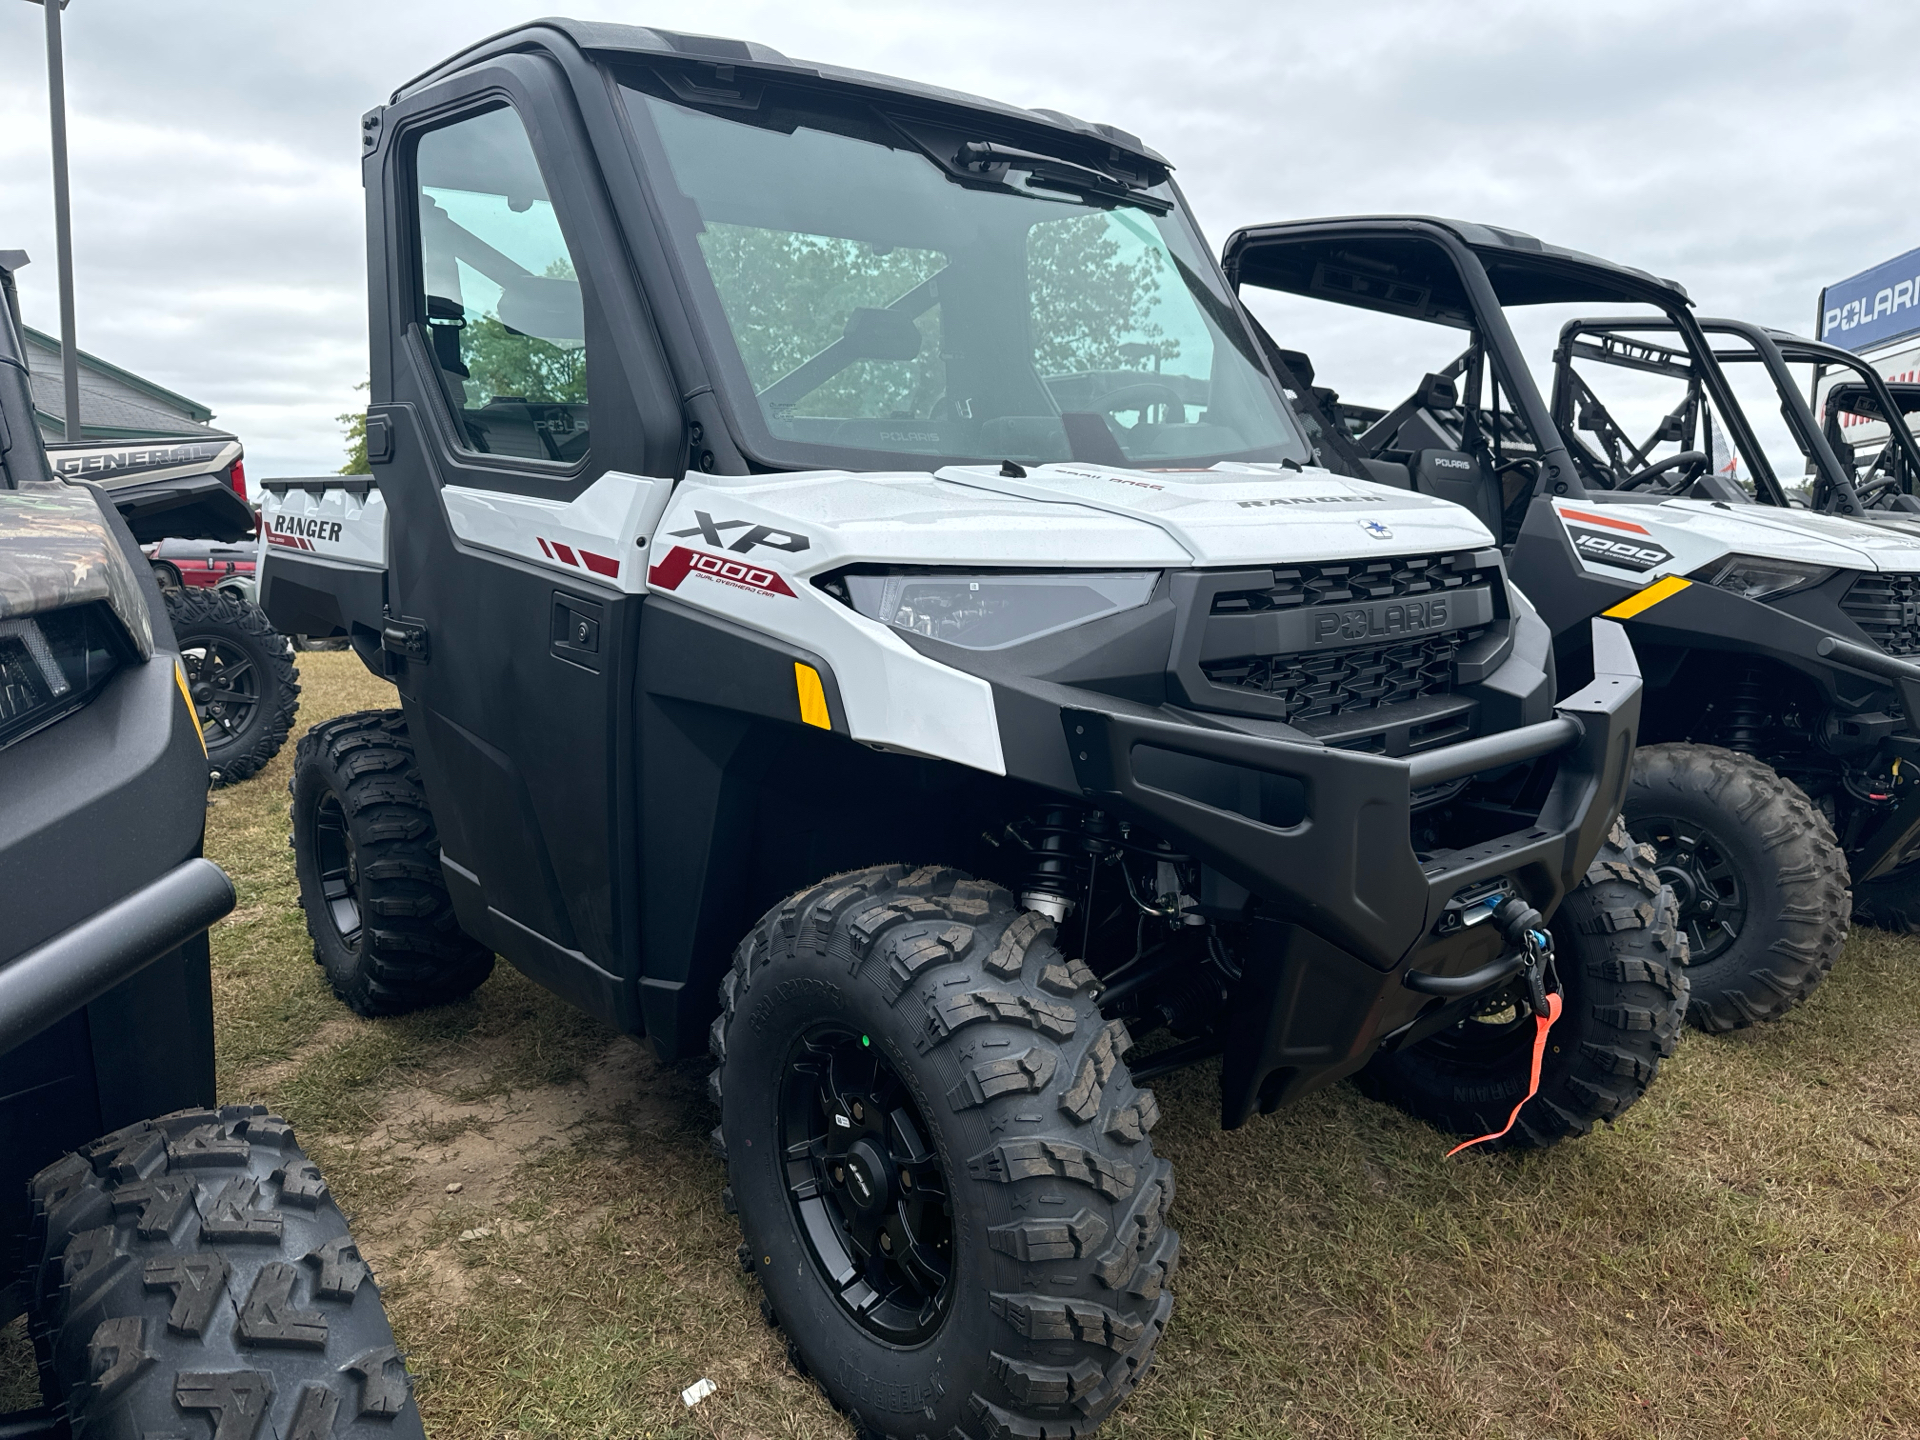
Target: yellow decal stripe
[(193, 714), (813, 696), (1647, 598)]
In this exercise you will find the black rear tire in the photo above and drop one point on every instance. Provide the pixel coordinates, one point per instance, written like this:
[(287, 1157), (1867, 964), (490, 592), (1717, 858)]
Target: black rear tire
[(960, 1048), (1622, 967), (241, 676), (367, 857), (192, 1275), (1760, 880)]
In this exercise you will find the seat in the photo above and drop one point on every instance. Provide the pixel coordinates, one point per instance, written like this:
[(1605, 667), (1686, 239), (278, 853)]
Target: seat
[(1462, 478)]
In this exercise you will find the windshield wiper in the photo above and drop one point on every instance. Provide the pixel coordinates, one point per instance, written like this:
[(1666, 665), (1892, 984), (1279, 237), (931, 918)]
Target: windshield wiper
[(992, 162)]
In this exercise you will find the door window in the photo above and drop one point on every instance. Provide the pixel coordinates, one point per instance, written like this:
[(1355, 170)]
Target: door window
[(499, 298)]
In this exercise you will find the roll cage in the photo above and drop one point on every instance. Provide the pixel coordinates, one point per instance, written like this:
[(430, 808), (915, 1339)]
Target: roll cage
[(1459, 274), (1890, 481)]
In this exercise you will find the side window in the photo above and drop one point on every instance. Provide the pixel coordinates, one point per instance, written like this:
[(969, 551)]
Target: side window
[(499, 299)]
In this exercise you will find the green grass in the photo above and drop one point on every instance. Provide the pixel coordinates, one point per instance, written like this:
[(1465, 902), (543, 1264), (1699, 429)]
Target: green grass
[(1740, 1257)]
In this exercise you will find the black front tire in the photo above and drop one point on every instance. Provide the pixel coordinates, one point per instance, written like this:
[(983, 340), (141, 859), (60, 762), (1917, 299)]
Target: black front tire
[(1622, 967), (192, 1275), (367, 857), (241, 676), (1768, 917), (1033, 1307), (1890, 903)]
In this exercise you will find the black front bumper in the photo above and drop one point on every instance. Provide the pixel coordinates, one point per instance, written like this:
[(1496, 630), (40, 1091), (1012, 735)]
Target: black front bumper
[(1322, 837)]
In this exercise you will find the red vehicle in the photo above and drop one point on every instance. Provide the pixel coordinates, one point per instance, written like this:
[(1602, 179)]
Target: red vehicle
[(203, 565)]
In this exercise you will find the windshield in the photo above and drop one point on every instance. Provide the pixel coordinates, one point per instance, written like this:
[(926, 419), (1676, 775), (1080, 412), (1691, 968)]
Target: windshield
[(870, 303)]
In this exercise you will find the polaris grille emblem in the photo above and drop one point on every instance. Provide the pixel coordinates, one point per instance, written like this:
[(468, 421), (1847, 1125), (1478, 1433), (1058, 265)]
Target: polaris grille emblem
[(1376, 529)]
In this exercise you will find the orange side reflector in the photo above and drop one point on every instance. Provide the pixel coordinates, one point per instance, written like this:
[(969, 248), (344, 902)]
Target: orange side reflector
[(193, 714), (1542, 1024), (1647, 598), (813, 696)]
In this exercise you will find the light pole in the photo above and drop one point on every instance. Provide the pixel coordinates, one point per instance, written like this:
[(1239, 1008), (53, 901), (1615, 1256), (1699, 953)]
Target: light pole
[(62, 218)]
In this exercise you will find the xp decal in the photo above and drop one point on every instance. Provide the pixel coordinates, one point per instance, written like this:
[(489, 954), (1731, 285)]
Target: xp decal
[(710, 529)]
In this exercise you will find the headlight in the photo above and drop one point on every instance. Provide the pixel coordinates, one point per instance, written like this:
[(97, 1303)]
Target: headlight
[(1753, 578), (988, 611), (52, 663)]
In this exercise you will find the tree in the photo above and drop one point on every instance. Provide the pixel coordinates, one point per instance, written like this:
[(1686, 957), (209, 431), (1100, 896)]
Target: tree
[(356, 423), (1093, 305)]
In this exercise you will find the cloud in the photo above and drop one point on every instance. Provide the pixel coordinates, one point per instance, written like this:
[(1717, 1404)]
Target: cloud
[(1753, 151)]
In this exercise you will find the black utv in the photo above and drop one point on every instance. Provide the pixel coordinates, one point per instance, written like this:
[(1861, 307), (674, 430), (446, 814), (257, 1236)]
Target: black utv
[(185, 1275), (240, 673), (1781, 705), (863, 605)]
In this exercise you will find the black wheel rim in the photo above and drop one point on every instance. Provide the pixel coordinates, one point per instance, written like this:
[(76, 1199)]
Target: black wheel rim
[(867, 1191), (225, 686), (1706, 883), (334, 857), (1492, 1040)]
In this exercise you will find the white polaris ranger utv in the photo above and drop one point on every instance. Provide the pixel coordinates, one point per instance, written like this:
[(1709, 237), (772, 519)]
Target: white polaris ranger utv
[(860, 601)]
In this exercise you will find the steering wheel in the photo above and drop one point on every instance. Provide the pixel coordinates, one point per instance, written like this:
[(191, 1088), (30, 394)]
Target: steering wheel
[(1693, 462), (1139, 396)]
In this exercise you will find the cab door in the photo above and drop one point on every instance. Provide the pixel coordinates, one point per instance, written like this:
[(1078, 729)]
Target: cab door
[(519, 406)]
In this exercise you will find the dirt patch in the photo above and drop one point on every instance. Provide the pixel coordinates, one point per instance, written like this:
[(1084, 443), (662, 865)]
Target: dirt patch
[(478, 1145)]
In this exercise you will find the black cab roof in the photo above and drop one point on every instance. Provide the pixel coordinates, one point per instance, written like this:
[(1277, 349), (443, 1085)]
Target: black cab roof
[(1334, 257), (637, 41)]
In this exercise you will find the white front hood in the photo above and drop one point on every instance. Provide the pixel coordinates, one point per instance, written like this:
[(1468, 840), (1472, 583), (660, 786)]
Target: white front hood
[(1251, 514)]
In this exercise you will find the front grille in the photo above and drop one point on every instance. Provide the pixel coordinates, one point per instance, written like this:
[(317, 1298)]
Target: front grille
[(1339, 682), (1887, 607), (1345, 581)]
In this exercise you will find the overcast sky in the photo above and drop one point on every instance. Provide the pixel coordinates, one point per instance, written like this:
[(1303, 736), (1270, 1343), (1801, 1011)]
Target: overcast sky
[(1753, 151)]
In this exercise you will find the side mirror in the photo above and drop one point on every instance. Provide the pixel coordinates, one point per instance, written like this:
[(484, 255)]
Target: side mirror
[(882, 335)]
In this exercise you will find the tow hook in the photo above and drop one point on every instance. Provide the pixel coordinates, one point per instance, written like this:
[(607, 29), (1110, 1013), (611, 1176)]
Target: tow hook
[(1520, 923), (1524, 928)]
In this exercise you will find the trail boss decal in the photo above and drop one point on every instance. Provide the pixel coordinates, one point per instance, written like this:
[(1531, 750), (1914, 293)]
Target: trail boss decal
[(682, 562)]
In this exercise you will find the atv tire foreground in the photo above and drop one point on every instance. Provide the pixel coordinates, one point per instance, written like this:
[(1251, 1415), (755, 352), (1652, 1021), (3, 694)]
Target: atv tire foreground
[(930, 1134), (1759, 881), (195, 1269), (370, 880), (240, 673), (1622, 965)]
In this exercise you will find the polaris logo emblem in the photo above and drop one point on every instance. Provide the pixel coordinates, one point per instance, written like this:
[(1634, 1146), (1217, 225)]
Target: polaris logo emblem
[(1399, 617), (1376, 529), (1440, 462), (1613, 550)]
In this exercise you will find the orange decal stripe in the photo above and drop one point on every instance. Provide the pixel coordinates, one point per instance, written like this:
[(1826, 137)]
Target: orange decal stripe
[(1593, 519)]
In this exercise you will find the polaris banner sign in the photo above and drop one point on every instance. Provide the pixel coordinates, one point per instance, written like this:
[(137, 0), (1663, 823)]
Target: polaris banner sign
[(1874, 307)]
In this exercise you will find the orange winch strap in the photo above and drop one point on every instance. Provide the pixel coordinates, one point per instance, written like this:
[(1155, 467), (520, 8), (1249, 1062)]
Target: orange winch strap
[(1542, 1024)]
